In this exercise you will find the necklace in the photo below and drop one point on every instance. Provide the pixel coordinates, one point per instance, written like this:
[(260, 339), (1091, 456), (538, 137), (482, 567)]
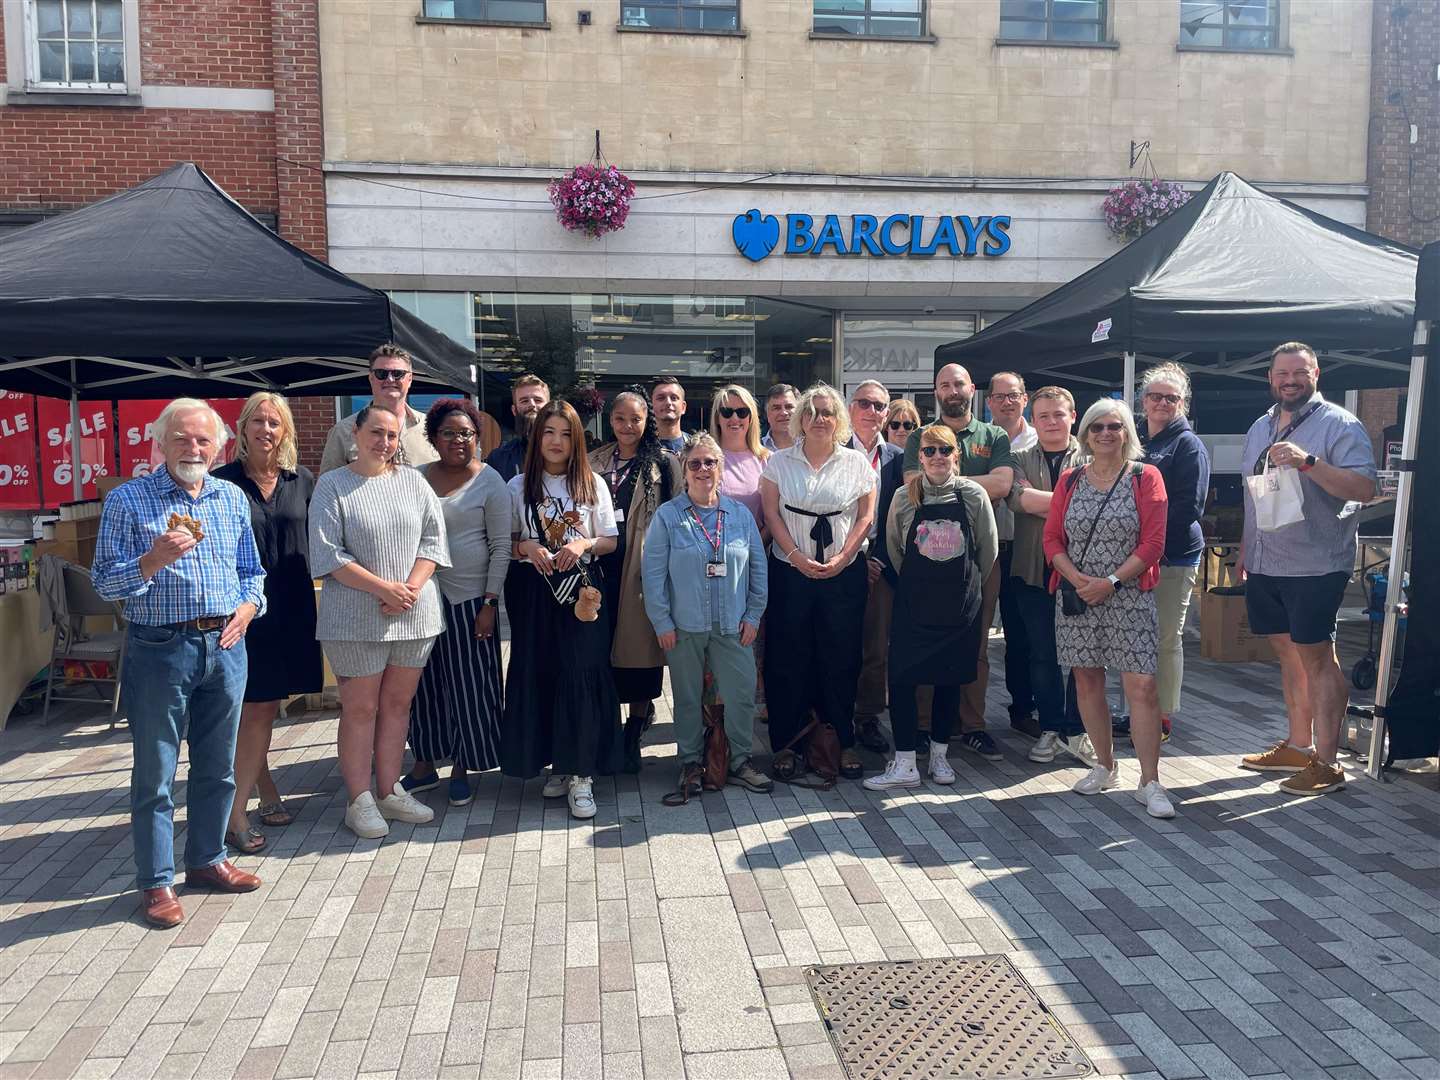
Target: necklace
[(1101, 478)]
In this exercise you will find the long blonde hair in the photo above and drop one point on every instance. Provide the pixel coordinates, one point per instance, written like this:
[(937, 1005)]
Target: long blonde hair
[(752, 432), (289, 452), (934, 435)]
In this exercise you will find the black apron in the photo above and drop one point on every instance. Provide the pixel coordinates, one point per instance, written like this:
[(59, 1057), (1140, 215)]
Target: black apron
[(935, 632)]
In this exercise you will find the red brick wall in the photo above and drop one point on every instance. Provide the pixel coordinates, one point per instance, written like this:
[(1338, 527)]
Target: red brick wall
[(299, 134), (314, 417), (205, 42)]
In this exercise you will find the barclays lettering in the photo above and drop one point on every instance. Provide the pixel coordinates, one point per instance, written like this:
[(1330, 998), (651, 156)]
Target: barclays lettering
[(757, 235)]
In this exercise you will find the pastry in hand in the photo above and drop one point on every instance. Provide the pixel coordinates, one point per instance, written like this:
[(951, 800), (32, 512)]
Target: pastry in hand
[(189, 524)]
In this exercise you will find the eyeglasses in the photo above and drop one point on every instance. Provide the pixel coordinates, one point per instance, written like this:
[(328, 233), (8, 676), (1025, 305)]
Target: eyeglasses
[(457, 436), (897, 425), (726, 412), (391, 374), (1168, 399), (705, 464), (1013, 397), (871, 404), (1096, 429), (931, 451), (823, 414)]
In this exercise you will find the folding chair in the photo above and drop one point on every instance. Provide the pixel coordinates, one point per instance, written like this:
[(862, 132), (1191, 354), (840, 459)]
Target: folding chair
[(72, 642)]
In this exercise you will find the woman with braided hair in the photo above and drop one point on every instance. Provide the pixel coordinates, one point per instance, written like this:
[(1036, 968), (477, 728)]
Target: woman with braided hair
[(640, 476)]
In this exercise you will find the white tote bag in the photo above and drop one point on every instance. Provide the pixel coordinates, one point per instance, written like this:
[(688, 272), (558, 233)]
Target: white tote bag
[(1277, 497)]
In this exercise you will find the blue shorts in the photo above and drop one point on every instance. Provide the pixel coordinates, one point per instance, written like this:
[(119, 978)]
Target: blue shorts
[(1303, 607)]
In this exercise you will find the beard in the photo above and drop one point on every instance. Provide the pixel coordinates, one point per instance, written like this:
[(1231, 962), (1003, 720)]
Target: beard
[(955, 408), (1301, 399), (523, 423), (189, 472)]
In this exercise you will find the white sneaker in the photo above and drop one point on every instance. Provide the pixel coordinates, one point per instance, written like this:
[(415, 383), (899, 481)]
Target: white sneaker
[(1080, 746), (581, 798), (896, 776), (400, 805), (362, 817), (557, 785), (1098, 779), (940, 770), (1156, 799), (1045, 747)]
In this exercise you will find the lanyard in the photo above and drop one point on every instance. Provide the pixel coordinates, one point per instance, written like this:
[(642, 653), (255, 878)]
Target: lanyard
[(718, 540), (1290, 428), (619, 471)]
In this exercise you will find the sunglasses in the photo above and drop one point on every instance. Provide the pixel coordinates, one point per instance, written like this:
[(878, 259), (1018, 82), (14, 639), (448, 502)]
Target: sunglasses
[(457, 436), (931, 451), (1096, 429), (1169, 399), (706, 464), (898, 425), (823, 414), (873, 406), (726, 412), (389, 374)]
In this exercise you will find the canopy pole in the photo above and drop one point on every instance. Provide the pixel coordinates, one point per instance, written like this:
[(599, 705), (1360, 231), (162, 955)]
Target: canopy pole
[(77, 485), (1130, 379), (1399, 545)]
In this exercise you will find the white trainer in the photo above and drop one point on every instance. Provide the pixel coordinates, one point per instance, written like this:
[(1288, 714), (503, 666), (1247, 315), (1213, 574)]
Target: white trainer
[(1080, 746), (1045, 748), (940, 770), (400, 805), (1156, 799), (362, 817), (557, 785), (1098, 779), (581, 798), (895, 776)]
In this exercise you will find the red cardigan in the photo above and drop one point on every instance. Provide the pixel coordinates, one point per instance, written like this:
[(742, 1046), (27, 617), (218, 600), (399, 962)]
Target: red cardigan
[(1149, 497)]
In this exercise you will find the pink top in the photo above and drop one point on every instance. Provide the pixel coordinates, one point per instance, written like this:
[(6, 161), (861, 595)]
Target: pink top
[(741, 481)]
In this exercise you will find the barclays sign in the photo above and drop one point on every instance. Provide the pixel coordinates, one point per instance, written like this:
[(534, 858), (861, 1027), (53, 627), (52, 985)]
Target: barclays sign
[(757, 235)]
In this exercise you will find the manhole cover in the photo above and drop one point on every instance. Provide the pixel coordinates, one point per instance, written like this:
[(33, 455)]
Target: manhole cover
[(974, 1018)]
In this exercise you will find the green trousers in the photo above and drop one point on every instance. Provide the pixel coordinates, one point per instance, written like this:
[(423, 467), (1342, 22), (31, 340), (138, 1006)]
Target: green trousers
[(733, 667)]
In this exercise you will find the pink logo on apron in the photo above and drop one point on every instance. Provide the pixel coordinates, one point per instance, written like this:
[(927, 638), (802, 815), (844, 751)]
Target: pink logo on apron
[(940, 541)]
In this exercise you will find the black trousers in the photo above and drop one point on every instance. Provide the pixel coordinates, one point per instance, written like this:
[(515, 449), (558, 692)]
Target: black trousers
[(1017, 638), (905, 717), (813, 650), (1057, 708)]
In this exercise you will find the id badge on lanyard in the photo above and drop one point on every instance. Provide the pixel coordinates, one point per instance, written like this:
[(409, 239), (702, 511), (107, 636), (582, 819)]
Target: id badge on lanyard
[(715, 566)]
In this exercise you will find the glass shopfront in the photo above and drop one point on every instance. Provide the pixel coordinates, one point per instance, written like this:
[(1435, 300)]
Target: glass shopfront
[(899, 350)]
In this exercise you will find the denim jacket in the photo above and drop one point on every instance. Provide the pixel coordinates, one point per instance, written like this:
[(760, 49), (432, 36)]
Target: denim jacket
[(678, 595)]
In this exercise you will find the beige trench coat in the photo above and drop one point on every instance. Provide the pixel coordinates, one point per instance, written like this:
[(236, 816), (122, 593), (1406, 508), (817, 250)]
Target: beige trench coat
[(634, 645)]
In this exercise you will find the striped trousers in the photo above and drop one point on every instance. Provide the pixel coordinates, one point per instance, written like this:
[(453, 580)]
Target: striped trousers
[(456, 712)]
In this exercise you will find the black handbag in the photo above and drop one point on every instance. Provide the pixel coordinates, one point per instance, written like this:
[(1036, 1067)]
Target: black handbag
[(1071, 602)]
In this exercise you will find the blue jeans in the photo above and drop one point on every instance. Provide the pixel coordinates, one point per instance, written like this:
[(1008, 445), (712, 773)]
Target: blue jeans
[(181, 684)]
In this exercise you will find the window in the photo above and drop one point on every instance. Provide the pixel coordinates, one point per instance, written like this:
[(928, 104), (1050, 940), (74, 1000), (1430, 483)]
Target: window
[(871, 18), (496, 11), (1052, 20), (1247, 24), (77, 44), (697, 16)]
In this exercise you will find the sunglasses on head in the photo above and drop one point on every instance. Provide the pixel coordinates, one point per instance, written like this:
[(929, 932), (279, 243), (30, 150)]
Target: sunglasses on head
[(705, 464), (388, 373), (931, 451), (726, 412), (897, 425), (1097, 428), (873, 406), (1169, 399)]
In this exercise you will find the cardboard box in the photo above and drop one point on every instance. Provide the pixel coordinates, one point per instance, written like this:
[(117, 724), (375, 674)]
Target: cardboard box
[(107, 484), (1225, 632)]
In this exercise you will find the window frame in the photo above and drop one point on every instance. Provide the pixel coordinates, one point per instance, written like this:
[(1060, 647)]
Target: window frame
[(925, 37), (1281, 27), (681, 6), (524, 24), (1106, 39), (26, 51)]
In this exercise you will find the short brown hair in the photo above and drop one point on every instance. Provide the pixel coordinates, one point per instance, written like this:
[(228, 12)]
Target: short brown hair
[(1013, 374), (1057, 393), (1297, 347), (390, 349), (781, 388), (529, 378)]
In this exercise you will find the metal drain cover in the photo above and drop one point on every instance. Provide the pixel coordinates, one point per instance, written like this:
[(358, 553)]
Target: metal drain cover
[(972, 1018)]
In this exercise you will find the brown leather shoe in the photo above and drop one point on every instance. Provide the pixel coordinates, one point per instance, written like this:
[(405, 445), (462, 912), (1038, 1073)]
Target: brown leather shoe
[(162, 908), (221, 877)]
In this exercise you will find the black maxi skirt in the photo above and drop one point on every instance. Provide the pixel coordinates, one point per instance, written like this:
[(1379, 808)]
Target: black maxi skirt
[(561, 708)]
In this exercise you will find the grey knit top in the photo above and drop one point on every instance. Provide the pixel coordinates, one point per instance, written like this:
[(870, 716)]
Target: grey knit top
[(383, 523)]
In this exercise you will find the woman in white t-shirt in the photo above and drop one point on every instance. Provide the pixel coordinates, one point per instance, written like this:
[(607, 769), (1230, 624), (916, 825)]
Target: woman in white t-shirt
[(561, 707)]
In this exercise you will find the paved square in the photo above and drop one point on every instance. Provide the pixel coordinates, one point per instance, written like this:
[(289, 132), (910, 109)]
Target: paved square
[(1253, 935)]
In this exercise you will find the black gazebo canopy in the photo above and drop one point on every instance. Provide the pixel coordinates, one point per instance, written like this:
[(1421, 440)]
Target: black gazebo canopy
[(171, 288)]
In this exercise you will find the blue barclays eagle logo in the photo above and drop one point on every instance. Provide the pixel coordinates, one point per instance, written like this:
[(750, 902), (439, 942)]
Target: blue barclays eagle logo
[(755, 234)]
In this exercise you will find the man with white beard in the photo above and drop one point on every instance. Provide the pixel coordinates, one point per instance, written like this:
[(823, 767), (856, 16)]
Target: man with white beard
[(177, 547)]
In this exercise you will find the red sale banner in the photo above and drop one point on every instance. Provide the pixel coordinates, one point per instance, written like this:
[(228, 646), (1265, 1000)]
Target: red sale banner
[(138, 455), (19, 478), (56, 448)]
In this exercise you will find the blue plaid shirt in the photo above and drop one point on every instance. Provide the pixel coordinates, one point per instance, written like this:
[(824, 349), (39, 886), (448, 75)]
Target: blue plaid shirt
[(215, 577)]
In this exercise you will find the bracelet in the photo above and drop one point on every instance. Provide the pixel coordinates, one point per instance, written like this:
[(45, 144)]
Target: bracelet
[(791, 552)]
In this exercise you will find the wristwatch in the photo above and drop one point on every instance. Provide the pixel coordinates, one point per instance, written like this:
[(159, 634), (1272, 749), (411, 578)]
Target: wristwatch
[(1310, 460), (1115, 582), (490, 601)]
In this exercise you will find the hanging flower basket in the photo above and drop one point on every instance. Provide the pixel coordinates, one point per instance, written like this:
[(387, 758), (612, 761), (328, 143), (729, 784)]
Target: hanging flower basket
[(592, 199), (1136, 206), (588, 400)]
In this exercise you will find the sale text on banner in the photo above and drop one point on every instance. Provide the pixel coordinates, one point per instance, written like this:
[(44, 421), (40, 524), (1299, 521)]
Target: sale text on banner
[(57, 444), (138, 455), (19, 475)]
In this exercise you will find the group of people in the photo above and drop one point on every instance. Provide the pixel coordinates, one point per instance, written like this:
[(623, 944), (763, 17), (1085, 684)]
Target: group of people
[(847, 564)]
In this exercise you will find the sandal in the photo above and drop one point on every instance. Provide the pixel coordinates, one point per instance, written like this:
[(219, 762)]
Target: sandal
[(249, 842), (786, 765), (691, 784), (274, 814)]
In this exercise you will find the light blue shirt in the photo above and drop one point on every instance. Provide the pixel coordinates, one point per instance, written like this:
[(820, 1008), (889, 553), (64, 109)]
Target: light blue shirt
[(1324, 542), (679, 595)]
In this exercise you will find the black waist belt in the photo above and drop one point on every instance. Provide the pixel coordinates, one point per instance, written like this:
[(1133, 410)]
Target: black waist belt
[(205, 622), (821, 532)]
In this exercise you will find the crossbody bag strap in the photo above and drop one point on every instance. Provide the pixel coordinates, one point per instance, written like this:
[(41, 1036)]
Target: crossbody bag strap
[(1095, 521)]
